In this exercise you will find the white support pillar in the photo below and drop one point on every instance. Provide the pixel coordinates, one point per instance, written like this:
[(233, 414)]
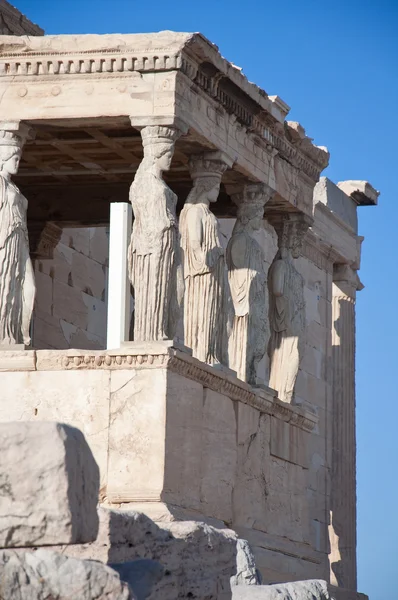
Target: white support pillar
[(118, 322)]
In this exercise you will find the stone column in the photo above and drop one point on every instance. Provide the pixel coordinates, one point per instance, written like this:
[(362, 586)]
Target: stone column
[(287, 304), (17, 285), (206, 294), (154, 256), (343, 493), (247, 276)]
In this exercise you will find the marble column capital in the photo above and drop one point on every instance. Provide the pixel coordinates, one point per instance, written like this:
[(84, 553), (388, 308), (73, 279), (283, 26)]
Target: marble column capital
[(253, 194), (158, 134), (346, 280), (209, 164), (14, 133), (172, 122), (291, 229)]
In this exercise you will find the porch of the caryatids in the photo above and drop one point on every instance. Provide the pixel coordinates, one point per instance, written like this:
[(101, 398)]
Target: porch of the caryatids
[(206, 307), (17, 284), (247, 275), (286, 305), (154, 254)]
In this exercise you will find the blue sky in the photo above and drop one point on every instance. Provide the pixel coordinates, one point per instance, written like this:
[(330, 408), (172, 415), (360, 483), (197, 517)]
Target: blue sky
[(336, 64)]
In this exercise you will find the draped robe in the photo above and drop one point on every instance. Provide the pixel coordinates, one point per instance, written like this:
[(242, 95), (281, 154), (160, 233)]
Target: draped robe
[(205, 278), (287, 318), (17, 286), (155, 270), (247, 282)]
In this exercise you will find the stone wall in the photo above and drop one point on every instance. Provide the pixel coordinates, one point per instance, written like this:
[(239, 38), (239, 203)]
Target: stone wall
[(70, 308)]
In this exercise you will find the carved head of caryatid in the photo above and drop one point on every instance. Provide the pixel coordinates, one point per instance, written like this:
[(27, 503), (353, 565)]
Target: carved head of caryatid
[(291, 230), (206, 171), (13, 135), (250, 204), (158, 142), (10, 153)]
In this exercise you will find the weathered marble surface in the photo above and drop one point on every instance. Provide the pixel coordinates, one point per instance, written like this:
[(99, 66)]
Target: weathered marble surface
[(45, 574), (298, 590), (50, 485), (17, 286), (246, 570), (199, 559), (248, 283), (155, 267)]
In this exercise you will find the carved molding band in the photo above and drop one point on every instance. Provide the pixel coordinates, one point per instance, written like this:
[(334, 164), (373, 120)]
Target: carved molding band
[(174, 360), (67, 64)]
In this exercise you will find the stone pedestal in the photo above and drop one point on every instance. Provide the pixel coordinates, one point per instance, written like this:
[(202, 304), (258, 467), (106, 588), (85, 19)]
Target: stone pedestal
[(343, 495), (178, 439)]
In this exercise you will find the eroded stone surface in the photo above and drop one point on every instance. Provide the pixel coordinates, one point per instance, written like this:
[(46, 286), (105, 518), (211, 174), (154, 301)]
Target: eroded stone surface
[(44, 574), (50, 484), (246, 571), (198, 559), (315, 589)]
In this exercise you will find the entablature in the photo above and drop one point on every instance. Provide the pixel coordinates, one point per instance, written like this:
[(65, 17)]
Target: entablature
[(163, 77)]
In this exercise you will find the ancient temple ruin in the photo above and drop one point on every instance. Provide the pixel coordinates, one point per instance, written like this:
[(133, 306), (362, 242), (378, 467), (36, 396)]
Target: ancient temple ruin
[(208, 354)]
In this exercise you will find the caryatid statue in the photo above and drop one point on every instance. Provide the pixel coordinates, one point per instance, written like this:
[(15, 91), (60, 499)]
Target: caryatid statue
[(205, 298), (154, 253), (17, 284), (287, 307), (248, 283)]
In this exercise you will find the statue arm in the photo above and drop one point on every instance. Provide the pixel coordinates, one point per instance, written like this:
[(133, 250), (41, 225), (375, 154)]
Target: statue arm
[(278, 279)]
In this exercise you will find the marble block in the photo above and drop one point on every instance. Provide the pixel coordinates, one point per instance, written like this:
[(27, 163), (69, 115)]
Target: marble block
[(49, 483)]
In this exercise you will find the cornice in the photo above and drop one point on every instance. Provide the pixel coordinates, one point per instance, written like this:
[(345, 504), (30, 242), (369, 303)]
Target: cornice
[(169, 358), (191, 54)]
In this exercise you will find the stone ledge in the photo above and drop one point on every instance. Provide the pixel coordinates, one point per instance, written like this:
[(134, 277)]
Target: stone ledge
[(155, 356)]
